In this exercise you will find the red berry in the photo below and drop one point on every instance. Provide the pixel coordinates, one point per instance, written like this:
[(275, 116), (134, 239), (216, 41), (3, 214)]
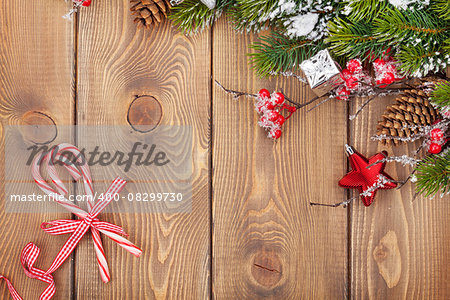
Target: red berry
[(269, 105), (272, 116), (379, 64), (345, 74), (436, 134), (354, 66), (86, 3), (264, 93), (388, 78), (278, 97), (280, 120), (275, 134), (351, 82), (343, 92), (263, 119), (435, 148)]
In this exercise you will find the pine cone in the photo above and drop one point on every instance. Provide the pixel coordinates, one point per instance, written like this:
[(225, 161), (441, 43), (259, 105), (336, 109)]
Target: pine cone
[(149, 12), (411, 108)]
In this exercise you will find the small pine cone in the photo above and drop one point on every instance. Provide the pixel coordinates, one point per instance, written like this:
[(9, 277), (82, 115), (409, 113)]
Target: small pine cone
[(149, 12), (411, 108)]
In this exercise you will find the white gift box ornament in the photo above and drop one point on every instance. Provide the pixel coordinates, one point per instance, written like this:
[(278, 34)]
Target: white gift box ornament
[(322, 73)]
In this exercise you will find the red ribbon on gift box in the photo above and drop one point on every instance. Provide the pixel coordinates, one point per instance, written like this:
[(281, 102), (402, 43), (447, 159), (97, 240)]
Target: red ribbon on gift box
[(77, 228)]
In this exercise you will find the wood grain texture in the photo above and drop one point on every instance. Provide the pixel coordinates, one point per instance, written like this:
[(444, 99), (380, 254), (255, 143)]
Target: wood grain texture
[(268, 242), (117, 62), (419, 225), (36, 79)]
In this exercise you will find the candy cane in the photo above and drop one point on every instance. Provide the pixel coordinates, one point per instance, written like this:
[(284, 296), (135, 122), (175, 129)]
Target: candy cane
[(77, 228)]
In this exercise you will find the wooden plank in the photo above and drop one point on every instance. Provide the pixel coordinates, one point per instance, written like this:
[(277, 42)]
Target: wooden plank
[(268, 242), (400, 246), (36, 78), (118, 62)]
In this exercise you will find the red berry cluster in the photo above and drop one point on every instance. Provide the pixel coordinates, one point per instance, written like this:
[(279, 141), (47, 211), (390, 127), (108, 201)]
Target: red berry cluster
[(356, 79), (86, 3), (386, 69), (353, 76), (270, 107), (437, 140)]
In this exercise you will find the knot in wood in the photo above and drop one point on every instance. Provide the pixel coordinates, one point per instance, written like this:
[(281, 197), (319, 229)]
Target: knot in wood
[(144, 113), (38, 128), (267, 268)]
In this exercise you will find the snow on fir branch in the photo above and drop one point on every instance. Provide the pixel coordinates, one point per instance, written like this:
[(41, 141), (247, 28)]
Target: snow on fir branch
[(417, 31), (409, 4)]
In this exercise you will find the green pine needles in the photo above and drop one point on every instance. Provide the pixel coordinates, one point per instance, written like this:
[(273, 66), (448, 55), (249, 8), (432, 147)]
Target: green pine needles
[(277, 53), (418, 32), (433, 175), (354, 39), (192, 16), (441, 95), (417, 36)]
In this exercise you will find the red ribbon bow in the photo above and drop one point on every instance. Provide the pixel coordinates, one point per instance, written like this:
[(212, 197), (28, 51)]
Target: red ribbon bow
[(88, 220)]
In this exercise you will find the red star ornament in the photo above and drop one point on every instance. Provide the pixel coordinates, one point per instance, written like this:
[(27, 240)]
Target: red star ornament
[(363, 178)]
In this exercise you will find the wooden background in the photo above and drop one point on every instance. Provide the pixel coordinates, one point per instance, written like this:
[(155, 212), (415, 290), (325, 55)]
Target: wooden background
[(252, 233)]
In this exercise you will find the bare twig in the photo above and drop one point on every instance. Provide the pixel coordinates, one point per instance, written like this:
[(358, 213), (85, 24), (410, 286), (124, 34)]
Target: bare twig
[(352, 117), (298, 105), (236, 94), (382, 180), (345, 203), (404, 159), (320, 103), (290, 74), (406, 180)]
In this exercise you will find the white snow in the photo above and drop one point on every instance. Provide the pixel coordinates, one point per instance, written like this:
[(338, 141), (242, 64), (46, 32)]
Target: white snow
[(405, 4), (302, 25)]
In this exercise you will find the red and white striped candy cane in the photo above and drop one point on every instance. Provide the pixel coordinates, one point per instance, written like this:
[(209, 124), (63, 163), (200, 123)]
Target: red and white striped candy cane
[(77, 228), (88, 219)]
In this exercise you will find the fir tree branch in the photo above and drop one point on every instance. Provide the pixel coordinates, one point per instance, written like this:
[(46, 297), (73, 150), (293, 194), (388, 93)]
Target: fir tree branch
[(418, 61), (365, 9), (353, 39), (277, 53), (433, 175), (192, 16), (253, 14), (442, 8), (441, 94), (410, 27)]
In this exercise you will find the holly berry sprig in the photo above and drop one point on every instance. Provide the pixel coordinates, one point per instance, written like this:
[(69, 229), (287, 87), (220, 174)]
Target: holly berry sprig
[(357, 80), (274, 109), (270, 107), (437, 139)]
